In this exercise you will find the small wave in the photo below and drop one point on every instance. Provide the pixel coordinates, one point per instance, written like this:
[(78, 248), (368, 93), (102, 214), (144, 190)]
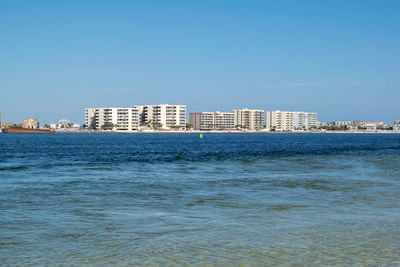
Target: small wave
[(284, 207), (14, 168)]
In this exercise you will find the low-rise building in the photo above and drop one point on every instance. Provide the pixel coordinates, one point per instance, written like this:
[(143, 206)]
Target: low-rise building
[(52, 125), (396, 126), (342, 123), (363, 123), (64, 125), (369, 127), (31, 123)]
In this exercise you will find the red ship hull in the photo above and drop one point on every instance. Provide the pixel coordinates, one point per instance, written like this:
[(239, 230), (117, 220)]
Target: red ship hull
[(26, 130)]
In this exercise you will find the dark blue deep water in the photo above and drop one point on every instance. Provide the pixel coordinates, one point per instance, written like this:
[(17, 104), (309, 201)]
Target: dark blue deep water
[(175, 199)]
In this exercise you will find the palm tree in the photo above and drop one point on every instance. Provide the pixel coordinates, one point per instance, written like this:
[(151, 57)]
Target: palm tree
[(156, 125), (108, 126)]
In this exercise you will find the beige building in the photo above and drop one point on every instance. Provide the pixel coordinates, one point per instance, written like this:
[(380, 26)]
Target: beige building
[(117, 119), (224, 120), (250, 119), (202, 120), (280, 120), (212, 120), (31, 123), (363, 123), (166, 115)]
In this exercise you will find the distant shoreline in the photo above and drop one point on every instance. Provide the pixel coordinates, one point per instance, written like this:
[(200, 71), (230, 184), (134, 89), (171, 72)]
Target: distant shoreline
[(224, 132)]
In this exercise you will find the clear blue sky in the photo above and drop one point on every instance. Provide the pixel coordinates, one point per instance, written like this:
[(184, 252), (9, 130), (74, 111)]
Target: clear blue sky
[(338, 58)]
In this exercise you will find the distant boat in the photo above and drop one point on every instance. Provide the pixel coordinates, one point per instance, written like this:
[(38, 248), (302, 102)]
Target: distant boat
[(26, 130)]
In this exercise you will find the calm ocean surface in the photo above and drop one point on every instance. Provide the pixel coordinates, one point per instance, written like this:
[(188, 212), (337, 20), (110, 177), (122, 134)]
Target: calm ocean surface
[(173, 199)]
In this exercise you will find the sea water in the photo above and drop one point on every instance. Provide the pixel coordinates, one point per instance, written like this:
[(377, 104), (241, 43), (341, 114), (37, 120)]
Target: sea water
[(176, 199)]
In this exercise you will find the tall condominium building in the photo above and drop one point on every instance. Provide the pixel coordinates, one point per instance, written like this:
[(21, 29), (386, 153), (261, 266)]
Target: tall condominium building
[(280, 120), (119, 119), (212, 120), (202, 120), (249, 119), (305, 120), (130, 119), (289, 121), (224, 120), (167, 115)]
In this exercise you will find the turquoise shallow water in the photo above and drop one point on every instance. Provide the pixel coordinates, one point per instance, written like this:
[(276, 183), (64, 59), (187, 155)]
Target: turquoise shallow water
[(173, 199)]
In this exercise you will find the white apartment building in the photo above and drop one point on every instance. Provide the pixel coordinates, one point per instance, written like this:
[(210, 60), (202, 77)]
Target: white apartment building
[(305, 120), (280, 120), (117, 119), (250, 119), (224, 120), (165, 114), (289, 120), (212, 120)]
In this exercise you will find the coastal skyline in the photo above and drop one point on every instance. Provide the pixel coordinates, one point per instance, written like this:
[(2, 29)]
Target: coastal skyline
[(205, 133), (339, 59)]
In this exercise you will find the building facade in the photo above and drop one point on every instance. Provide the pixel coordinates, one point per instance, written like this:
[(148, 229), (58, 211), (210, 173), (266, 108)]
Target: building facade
[(64, 124), (202, 120), (363, 123), (250, 119), (342, 123), (31, 123), (164, 115), (212, 120), (305, 120), (289, 120), (224, 120), (279, 120), (117, 119), (396, 126)]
